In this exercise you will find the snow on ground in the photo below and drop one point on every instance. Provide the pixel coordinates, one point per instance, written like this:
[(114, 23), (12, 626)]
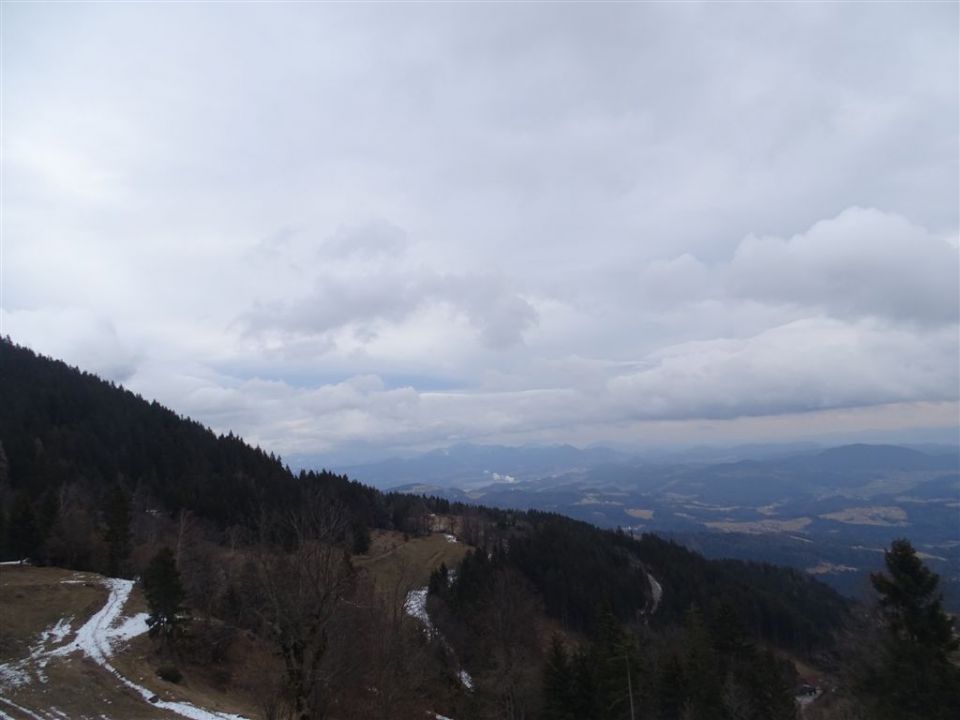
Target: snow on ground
[(450, 538), (19, 708), (15, 674), (96, 639), (656, 589), (806, 699), (416, 606)]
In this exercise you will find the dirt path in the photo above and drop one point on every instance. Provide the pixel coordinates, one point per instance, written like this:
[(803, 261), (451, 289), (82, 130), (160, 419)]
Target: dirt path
[(25, 690)]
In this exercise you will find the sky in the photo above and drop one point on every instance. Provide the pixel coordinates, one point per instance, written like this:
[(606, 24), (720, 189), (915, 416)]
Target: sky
[(353, 230)]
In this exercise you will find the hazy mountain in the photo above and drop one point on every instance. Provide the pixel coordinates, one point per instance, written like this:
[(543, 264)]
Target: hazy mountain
[(824, 510), (467, 465)]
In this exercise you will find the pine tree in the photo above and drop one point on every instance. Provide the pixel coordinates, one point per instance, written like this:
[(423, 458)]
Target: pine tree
[(558, 684), (912, 676), (671, 688), (117, 533), (165, 594), (701, 669), (617, 666), (24, 536)]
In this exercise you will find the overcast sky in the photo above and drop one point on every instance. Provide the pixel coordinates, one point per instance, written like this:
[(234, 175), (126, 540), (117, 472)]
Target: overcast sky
[(368, 228)]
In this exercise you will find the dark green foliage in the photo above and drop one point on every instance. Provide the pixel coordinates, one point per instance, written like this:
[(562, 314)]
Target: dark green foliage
[(702, 670), (165, 594), (559, 688), (361, 537), (22, 533), (58, 424), (684, 679), (117, 534), (170, 673), (439, 579), (671, 688), (578, 568), (785, 607), (910, 674), (910, 604)]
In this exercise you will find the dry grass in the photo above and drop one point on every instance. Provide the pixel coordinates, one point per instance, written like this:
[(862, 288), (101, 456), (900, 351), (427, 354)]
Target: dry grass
[(887, 516), (394, 564), (761, 527), (33, 599)]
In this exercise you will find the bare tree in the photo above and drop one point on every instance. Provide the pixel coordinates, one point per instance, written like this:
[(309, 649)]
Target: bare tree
[(398, 652), (306, 588)]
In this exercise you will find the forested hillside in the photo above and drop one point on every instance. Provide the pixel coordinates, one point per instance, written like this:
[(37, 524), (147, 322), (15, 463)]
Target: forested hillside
[(552, 617)]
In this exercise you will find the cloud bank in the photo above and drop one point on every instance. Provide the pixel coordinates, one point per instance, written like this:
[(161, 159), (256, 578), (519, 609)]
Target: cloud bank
[(373, 228)]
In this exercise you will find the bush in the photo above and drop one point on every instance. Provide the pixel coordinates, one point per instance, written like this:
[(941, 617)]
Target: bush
[(170, 673)]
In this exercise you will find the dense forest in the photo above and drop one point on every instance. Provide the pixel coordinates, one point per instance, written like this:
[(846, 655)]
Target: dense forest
[(554, 618)]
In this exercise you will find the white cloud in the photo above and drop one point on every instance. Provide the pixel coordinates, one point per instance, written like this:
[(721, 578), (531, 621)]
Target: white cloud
[(812, 364), (862, 262), (353, 225), (76, 336)]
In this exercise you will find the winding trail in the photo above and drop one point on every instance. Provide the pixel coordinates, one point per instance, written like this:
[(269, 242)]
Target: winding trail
[(95, 639)]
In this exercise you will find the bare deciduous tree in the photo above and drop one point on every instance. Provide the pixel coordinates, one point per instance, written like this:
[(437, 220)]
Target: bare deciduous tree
[(306, 595)]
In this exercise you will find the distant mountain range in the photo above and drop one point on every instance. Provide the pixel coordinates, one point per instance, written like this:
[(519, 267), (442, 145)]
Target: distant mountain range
[(828, 511)]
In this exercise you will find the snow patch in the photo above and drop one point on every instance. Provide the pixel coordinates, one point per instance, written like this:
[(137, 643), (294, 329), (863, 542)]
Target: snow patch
[(416, 606), (20, 708), (96, 639), (58, 632), (13, 675), (656, 591), (450, 538), (130, 628)]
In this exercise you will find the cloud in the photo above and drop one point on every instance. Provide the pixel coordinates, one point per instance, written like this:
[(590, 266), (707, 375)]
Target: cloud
[(76, 336), (807, 365), (329, 226), (375, 239), (366, 302), (861, 263)]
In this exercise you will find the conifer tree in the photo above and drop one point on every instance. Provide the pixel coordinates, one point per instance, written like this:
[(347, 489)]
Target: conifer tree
[(671, 688), (165, 594), (117, 533), (558, 684), (912, 676), (616, 666), (701, 669), (24, 536)]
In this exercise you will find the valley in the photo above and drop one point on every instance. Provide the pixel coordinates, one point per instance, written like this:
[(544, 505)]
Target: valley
[(829, 512)]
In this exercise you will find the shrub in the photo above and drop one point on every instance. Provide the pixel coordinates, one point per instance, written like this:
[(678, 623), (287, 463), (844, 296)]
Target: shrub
[(170, 673)]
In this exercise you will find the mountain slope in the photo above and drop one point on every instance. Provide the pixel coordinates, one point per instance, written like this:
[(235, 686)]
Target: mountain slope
[(96, 477)]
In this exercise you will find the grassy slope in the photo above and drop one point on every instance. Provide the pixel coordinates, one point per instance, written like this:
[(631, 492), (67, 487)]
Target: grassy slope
[(34, 599)]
